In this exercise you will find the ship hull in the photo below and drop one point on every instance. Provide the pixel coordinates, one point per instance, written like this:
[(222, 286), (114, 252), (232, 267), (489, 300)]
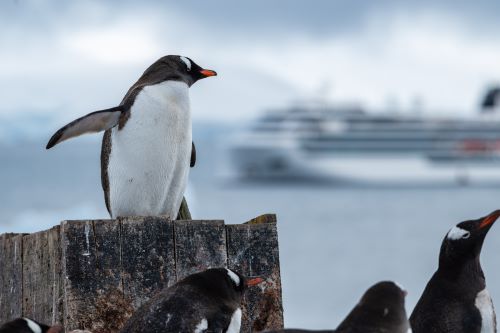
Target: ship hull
[(276, 162)]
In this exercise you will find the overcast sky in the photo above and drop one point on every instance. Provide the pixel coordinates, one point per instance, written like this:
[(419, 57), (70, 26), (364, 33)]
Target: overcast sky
[(63, 59)]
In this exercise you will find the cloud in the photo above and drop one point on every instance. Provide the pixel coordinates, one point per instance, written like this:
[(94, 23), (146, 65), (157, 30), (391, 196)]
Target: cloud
[(69, 58)]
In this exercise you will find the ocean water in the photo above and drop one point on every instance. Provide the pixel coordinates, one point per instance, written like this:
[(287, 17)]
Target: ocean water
[(335, 242)]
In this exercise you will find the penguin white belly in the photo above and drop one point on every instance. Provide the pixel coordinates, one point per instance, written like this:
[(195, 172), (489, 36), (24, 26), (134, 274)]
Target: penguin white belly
[(235, 324), (485, 306), (149, 160)]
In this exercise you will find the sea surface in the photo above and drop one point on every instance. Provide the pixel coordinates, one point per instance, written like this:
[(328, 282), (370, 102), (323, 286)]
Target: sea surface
[(335, 242)]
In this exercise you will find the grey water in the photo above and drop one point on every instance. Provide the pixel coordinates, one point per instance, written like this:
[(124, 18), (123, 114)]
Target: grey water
[(334, 241)]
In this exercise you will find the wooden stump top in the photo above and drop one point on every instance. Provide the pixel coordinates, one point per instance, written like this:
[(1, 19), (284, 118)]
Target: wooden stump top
[(93, 274)]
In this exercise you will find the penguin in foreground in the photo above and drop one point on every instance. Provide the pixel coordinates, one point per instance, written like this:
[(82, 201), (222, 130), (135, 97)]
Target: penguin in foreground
[(208, 301), (147, 146), (380, 310), (26, 325), (456, 299)]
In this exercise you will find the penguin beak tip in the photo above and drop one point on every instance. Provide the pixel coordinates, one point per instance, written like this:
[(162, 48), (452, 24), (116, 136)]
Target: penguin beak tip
[(254, 281), (490, 219), (207, 73)]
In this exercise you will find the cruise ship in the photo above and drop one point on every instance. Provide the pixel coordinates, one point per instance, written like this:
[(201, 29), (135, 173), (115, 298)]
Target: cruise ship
[(348, 144)]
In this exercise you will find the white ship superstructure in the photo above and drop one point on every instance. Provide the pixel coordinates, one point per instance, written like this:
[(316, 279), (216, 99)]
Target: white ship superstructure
[(349, 144)]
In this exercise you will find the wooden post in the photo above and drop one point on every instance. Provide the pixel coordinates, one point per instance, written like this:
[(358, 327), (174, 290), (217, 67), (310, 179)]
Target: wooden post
[(11, 276), (93, 289), (93, 274), (199, 245), (148, 257), (253, 250), (42, 264)]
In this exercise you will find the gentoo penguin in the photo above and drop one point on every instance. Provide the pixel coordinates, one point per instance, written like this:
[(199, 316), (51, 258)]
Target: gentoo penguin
[(203, 302), (456, 299), (380, 310), (147, 145), (26, 325)]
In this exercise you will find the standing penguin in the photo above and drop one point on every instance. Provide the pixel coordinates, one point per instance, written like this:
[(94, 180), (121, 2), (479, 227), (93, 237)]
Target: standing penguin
[(26, 325), (380, 310), (456, 299), (208, 301), (147, 147)]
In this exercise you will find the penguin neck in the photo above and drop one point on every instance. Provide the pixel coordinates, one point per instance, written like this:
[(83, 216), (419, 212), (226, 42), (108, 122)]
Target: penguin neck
[(169, 92), (163, 105), (458, 268)]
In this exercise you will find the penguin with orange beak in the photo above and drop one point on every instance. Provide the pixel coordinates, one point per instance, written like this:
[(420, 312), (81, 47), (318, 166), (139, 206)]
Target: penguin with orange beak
[(456, 299), (208, 301), (147, 147)]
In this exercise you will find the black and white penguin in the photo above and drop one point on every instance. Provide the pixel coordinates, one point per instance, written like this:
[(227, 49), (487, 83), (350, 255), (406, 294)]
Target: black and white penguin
[(26, 325), (147, 147), (380, 310), (456, 299), (208, 301)]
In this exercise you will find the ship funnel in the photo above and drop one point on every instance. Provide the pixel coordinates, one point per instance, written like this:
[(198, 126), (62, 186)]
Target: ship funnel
[(491, 101)]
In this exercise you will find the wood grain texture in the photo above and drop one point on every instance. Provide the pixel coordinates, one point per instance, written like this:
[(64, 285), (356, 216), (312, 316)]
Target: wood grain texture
[(253, 251), (92, 275), (11, 272), (94, 298), (148, 257), (42, 281), (199, 245)]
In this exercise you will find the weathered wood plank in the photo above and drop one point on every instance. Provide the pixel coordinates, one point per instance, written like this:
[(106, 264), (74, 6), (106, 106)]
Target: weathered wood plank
[(199, 245), (253, 250), (264, 218), (42, 285), (148, 258), (94, 298), (11, 276), (105, 269)]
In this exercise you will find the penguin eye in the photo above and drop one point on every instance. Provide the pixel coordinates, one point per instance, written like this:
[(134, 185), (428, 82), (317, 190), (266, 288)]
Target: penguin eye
[(466, 235)]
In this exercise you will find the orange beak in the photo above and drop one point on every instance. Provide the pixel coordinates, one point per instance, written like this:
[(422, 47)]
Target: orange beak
[(208, 73), (488, 220), (254, 281)]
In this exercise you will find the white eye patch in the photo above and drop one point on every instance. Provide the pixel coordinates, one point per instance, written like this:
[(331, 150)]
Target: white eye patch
[(233, 277), (34, 327), (399, 286), (187, 62), (457, 233)]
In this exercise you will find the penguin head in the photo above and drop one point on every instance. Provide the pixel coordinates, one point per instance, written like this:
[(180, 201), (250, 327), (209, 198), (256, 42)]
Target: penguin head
[(27, 325), (464, 241), (381, 308), (223, 283), (384, 298), (175, 68)]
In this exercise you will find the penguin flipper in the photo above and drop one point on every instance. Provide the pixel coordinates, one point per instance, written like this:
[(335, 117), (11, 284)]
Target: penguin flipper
[(93, 122), (193, 155)]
